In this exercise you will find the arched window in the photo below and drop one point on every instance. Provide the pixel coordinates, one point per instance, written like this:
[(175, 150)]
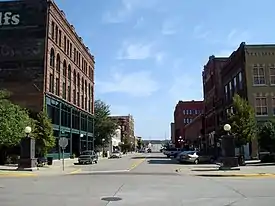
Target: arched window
[(64, 68), (69, 72), (52, 56), (58, 63)]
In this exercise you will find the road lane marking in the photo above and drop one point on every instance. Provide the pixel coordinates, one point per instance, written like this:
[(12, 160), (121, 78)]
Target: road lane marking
[(76, 171), (11, 174), (134, 165)]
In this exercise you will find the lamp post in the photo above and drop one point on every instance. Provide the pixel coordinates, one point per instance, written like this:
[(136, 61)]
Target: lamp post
[(228, 149), (180, 141), (27, 153), (81, 146)]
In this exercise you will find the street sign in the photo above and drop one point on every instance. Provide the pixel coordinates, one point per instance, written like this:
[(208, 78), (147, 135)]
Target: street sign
[(63, 142)]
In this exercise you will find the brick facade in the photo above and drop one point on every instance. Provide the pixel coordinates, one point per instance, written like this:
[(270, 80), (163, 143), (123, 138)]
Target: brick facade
[(194, 130), (184, 113)]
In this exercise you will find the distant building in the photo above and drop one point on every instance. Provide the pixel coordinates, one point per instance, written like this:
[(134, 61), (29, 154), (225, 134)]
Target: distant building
[(127, 125), (172, 125), (185, 112)]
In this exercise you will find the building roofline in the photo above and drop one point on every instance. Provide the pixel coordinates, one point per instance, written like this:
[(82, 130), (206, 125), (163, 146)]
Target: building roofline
[(62, 15)]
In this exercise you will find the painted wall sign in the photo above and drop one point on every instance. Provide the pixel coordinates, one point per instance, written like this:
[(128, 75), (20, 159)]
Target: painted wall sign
[(9, 18)]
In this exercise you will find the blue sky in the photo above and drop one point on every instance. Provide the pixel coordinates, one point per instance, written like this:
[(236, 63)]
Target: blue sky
[(150, 53)]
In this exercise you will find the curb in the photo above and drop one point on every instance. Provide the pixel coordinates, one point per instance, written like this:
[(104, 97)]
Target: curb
[(75, 171), (11, 174), (236, 175)]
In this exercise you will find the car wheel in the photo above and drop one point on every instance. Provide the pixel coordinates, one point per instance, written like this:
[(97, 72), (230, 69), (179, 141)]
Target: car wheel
[(196, 161)]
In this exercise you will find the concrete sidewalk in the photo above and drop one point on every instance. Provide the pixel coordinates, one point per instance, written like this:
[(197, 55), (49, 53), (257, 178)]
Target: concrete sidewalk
[(244, 171)]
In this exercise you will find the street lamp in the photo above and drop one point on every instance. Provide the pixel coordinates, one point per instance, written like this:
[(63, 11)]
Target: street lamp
[(27, 153), (28, 130), (228, 149), (81, 135)]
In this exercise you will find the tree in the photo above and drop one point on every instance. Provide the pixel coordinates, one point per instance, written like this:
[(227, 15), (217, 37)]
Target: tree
[(243, 122), (43, 133), (105, 127), (13, 120), (267, 136), (139, 143)]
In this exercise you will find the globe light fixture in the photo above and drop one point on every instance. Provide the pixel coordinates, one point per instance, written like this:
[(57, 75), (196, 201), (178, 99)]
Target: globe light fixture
[(28, 130), (227, 127), (81, 135)]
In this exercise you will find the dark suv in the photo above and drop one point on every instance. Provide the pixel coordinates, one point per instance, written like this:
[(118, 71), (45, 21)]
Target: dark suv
[(88, 157)]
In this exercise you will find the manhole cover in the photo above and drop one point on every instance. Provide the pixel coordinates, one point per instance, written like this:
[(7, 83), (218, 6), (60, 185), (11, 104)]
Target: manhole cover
[(111, 199)]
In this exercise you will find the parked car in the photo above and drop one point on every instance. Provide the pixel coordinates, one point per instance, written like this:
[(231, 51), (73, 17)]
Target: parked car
[(171, 152), (116, 154), (88, 157), (194, 157)]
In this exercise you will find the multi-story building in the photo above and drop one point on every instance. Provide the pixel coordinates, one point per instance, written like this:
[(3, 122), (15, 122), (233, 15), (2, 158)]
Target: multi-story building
[(45, 64), (250, 72), (127, 125), (212, 93), (194, 132), (172, 127), (185, 112)]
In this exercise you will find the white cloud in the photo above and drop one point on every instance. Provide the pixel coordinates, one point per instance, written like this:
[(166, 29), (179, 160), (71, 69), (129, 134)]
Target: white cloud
[(126, 10), (135, 51), (170, 26), (137, 84), (235, 37)]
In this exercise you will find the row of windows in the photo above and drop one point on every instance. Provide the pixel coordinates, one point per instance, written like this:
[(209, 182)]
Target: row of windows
[(187, 120), (262, 106), (260, 75), (81, 90), (74, 54), (233, 86), (191, 111)]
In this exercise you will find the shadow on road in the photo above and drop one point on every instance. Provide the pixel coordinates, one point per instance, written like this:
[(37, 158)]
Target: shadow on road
[(162, 161), (261, 164), (151, 157)]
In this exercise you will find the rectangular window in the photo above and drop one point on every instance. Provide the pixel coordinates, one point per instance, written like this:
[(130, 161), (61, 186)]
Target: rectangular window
[(56, 34), (74, 96), (65, 43), (51, 89), (74, 55), (82, 101), (78, 99), (71, 50), (53, 26), (261, 106), (230, 89), (258, 76), (64, 90), (85, 103), (68, 46), (69, 93), (240, 78), (272, 75), (89, 105), (235, 83), (57, 87), (226, 92), (273, 105), (59, 38)]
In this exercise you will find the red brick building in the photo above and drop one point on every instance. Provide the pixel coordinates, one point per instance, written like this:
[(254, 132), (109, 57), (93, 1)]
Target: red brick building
[(212, 92), (185, 112), (194, 130), (45, 64)]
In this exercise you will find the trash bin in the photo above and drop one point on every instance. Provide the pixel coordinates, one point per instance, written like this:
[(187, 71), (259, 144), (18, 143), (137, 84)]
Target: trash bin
[(49, 160)]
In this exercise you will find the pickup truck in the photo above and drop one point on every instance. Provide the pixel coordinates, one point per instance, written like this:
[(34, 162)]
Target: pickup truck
[(88, 157)]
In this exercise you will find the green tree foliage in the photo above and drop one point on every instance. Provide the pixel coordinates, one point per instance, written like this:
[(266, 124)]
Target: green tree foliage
[(243, 122), (126, 145), (267, 136), (104, 126), (43, 133), (13, 120)]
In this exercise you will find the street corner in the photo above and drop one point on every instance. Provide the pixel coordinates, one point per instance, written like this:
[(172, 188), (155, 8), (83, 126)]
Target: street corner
[(236, 175), (137, 163), (5, 174)]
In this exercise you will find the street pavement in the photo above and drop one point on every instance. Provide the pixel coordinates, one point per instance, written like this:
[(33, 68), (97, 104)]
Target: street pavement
[(138, 179)]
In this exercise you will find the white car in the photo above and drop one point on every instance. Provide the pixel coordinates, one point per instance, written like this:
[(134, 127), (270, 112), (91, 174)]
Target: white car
[(116, 154)]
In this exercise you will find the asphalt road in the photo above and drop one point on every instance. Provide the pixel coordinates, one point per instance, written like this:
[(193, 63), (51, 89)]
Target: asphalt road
[(142, 179)]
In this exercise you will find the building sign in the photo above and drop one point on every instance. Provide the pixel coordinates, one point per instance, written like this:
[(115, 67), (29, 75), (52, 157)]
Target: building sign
[(9, 18)]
